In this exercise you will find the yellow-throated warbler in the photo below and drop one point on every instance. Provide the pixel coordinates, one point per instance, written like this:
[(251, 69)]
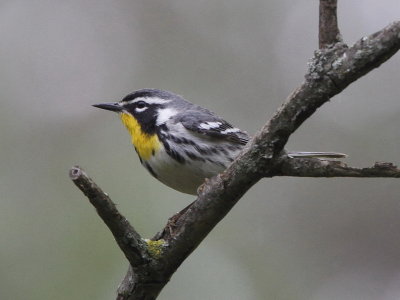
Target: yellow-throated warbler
[(180, 143)]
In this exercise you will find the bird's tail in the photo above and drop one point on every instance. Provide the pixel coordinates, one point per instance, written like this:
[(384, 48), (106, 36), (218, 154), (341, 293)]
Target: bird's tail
[(316, 155)]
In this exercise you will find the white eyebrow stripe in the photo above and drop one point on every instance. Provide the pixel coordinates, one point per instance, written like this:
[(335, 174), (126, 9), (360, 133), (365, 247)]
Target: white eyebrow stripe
[(148, 100)]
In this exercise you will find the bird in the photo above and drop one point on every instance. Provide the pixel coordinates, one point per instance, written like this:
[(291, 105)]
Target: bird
[(180, 143)]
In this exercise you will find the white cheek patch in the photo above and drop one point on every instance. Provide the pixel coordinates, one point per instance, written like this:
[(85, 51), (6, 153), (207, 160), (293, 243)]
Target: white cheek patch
[(230, 130), (209, 125), (165, 114), (139, 110)]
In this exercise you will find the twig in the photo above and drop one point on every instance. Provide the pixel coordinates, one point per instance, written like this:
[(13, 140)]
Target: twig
[(328, 26), (308, 167), (130, 242)]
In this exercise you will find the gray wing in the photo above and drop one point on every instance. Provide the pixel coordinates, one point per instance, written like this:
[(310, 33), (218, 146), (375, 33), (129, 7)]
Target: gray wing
[(208, 124)]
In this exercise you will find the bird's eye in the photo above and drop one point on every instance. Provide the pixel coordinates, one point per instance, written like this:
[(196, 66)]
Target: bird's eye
[(141, 104)]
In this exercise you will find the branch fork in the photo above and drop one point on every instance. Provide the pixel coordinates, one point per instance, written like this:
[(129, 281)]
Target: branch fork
[(333, 68)]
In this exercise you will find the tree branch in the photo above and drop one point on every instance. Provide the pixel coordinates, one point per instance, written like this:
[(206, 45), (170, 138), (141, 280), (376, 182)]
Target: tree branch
[(330, 71), (130, 242), (311, 167), (328, 26)]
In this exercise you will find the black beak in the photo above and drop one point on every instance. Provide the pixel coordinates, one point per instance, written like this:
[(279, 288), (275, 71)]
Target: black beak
[(109, 106)]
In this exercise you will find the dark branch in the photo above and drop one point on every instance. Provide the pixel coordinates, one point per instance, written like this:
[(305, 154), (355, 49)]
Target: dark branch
[(331, 70), (130, 242), (328, 26), (218, 195), (365, 55), (308, 167)]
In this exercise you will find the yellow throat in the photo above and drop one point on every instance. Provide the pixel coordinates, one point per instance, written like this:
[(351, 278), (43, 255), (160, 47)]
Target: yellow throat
[(145, 144)]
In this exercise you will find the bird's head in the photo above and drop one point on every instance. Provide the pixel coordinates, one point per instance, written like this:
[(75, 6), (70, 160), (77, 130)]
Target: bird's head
[(148, 108)]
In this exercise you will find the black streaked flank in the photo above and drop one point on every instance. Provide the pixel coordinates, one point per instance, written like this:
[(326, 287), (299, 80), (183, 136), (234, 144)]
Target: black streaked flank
[(234, 147), (175, 155), (175, 139), (166, 145), (201, 150), (223, 150), (216, 162), (189, 142), (150, 169), (214, 150), (193, 156)]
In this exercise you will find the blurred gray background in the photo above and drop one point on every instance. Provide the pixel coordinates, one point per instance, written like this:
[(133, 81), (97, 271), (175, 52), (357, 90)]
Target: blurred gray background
[(287, 239)]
